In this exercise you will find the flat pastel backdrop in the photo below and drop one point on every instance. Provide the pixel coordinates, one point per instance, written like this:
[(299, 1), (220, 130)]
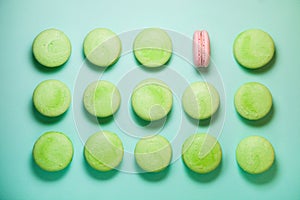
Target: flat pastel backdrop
[(20, 126)]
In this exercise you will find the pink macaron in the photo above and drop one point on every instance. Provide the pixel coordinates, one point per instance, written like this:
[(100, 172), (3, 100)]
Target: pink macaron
[(201, 49)]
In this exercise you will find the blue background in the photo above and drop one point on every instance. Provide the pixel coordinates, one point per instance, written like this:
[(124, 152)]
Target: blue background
[(20, 126)]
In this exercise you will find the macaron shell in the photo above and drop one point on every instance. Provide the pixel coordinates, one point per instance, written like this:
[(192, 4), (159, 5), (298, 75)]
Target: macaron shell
[(201, 49)]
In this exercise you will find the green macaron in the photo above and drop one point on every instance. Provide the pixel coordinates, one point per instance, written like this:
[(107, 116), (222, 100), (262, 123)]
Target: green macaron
[(201, 153), (152, 47), (200, 100), (53, 151), (103, 151), (152, 99), (253, 101), (51, 98), (255, 154), (153, 154), (253, 48), (51, 48), (102, 98), (102, 47)]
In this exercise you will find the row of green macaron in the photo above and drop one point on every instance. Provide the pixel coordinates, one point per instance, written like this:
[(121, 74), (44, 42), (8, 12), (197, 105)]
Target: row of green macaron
[(152, 47), (102, 47), (152, 99), (103, 151)]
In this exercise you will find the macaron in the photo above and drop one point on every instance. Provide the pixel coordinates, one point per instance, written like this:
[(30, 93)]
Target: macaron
[(153, 154), (51, 98), (51, 48), (152, 47), (102, 47), (103, 151), (201, 48), (152, 99), (255, 154), (101, 98), (253, 101), (201, 153), (200, 100), (253, 48), (53, 151)]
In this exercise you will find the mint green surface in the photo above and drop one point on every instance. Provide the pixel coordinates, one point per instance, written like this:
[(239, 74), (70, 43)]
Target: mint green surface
[(253, 100), (253, 48), (51, 48), (51, 98), (101, 98), (152, 47), (103, 151), (255, 154), (21, 21), (152, 99), (102, 47), (53, 151), (200, 100), (201, 153), (153, 154)]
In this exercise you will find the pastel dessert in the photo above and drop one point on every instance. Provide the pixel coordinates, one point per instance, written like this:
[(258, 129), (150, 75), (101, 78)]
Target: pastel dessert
[(53, 151), (253, 48), (104, 151), (51, 98), (200, 100), (255, 154), (102, 98), (201, 153), (152, 47), (51, 48), (102, 47), (253, 101), (153, 154), (152, 99), (201, 48)]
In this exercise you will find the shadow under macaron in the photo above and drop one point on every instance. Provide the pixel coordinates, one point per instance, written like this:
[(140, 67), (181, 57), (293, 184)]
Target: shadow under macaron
[(153, 176), (99, 175), (260, 122), (44, 119), (45, 175), (204, 178), (263, 178)]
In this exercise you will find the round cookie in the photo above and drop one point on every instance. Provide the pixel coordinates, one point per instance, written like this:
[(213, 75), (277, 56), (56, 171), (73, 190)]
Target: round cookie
[(253, 48), (153, 154), (200, 100), (201, 153), (102, 99), (255, 154), (253, 101), (152, 47), (53, 151), (51, 48), (51, 98), (152, 99), (103, 151), (102, 47)]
